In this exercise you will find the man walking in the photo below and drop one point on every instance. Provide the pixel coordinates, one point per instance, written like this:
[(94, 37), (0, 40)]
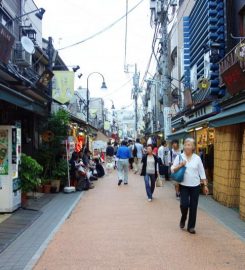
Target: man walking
[(138, 154), (164, 155), (123, 155)]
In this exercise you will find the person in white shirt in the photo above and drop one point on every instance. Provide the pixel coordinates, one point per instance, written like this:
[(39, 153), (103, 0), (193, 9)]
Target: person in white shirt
[(190, 186), (164, 155)]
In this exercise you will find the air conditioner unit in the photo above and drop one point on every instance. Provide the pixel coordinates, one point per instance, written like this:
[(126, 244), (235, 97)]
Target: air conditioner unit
[(22, 57)]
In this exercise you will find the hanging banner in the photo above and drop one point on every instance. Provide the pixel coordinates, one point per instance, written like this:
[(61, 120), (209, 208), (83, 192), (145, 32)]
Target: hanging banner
[(167, 122), (107, 125), (63, 86), (3, 152)]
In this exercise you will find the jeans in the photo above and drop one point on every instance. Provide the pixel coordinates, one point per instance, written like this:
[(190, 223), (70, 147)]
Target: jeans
[(189, 202), (150, 182), (122, 167)]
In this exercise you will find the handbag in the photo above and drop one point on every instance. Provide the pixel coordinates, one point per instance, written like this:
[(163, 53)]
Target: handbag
[(159, 182), (178, 176), (163, 169)]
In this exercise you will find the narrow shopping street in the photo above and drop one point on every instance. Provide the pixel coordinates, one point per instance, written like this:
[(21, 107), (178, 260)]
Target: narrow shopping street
[(117, 228)]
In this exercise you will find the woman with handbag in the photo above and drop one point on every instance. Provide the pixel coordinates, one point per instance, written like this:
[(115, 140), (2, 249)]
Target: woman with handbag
[(189, 171), (150, 171)]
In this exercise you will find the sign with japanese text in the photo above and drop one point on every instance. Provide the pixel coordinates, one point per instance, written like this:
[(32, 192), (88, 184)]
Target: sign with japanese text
[(234, 79), (63, 86), (6, 44)]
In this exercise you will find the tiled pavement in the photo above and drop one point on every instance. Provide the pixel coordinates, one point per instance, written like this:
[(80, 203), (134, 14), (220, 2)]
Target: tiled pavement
[(22, 253), (17, 222), (116, 228), (225, 216)]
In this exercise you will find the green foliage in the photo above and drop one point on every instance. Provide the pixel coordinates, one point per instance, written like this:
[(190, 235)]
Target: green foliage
[(50, 153), (60, 172), (30, 172)]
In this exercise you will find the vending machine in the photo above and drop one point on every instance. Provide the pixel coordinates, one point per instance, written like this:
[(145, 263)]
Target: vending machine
[(10, 184)]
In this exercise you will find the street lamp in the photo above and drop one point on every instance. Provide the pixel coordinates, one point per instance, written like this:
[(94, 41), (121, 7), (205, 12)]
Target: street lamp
[(103, 86), (39, 14), (112, 106)]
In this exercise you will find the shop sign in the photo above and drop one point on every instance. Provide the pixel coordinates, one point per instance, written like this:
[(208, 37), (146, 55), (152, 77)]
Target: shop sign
[(203, 84), (188, 98), (99, 145), (6, 44), (167, 121), (3, 152), (234, 79), (63, 86)]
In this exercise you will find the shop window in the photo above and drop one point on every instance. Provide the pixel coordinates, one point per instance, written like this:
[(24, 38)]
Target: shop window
[(5, 20)]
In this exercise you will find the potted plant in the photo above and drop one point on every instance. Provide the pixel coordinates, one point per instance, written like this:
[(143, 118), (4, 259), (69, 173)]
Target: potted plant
[(49, 155), (59, 174), (30, 171), (46, 185)]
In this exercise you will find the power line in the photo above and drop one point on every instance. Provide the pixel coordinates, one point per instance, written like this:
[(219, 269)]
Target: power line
[(104, 29), (126, 35), (116, 90)]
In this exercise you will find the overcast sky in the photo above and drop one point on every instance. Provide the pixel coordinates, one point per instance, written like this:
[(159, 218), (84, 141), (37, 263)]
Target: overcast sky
[(71, 21)]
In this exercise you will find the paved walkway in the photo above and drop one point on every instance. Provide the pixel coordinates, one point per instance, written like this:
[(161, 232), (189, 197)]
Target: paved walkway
[(116, 228), (24, 251)]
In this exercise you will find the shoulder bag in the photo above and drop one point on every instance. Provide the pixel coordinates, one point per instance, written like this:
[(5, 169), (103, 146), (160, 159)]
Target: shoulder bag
[(178, 176)]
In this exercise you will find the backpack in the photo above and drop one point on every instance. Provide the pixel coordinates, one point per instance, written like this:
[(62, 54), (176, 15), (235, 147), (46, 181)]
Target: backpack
[(135, 151)]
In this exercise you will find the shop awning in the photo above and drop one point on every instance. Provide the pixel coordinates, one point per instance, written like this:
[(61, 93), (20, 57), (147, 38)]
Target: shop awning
[(198, 124), (180, 134), (11, 96), (231, 116)]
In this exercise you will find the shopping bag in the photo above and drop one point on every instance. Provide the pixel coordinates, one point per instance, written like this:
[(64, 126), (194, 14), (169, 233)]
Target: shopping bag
[(159, 182)]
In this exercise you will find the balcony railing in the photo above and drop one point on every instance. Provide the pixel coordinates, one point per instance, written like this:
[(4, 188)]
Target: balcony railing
[(229, 60)]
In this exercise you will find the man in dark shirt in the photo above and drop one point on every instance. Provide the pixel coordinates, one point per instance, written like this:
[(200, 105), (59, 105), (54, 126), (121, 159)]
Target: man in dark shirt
[(109, 150)]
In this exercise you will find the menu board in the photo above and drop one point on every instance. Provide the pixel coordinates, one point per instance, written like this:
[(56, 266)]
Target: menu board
[(4, 152)]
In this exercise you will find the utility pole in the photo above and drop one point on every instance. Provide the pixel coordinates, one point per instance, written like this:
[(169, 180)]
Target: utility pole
[(164, 67), (135, 97)]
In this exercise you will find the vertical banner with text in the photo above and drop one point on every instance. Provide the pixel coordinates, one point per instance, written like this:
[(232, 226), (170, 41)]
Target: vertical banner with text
[(63, 86)]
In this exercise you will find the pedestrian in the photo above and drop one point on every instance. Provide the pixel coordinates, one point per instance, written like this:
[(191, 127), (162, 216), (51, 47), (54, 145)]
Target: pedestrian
[(138, 154), (155, 149), (190, 186), (174, 152), (123, 155), (164, 155), (131, 160), (109, 152), (150, 171)]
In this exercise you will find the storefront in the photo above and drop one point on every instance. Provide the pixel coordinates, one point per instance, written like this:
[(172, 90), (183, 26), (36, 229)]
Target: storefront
[(229, 164)]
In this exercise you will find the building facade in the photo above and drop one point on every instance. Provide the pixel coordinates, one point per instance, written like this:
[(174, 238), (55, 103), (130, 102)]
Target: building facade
[(24, 98)]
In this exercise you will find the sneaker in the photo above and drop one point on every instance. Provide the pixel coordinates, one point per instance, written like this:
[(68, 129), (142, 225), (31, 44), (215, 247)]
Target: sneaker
[(182, 225), (177, 196), (191, 230), (125, 183), (119, 182), (149, 200)]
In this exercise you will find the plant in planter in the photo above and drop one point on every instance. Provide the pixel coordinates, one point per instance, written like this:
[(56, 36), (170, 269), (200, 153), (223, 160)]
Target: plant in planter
[(30, 171), (55, 131), (59, 174)]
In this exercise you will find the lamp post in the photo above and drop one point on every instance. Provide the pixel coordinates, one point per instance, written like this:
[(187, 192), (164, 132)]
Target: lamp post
[(39, 14), (103, 86)]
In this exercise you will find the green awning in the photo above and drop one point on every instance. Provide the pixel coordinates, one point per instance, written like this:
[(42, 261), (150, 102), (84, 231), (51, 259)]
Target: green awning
[(230, 116), (9, 95), (180, 134)]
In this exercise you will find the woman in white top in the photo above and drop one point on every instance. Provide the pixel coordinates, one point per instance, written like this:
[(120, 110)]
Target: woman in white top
[(190, 187)]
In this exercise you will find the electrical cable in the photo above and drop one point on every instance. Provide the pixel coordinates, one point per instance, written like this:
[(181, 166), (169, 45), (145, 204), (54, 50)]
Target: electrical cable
[(126, 35), (116, 90), (104, 29)]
